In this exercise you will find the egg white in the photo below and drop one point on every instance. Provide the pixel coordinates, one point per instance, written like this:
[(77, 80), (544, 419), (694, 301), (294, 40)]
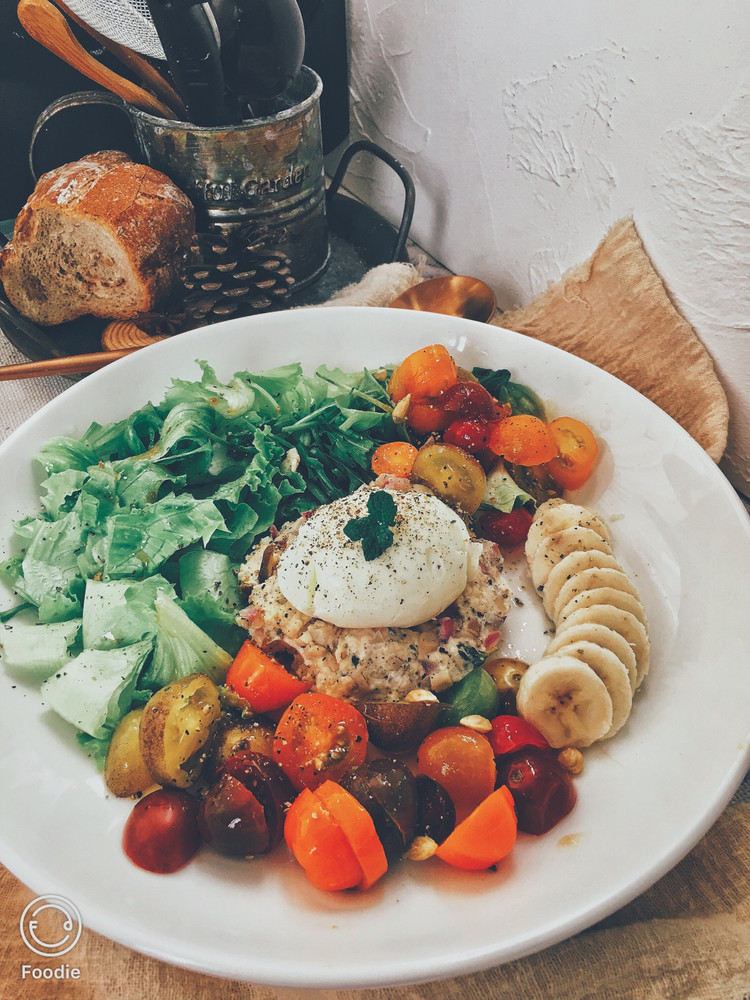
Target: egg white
[(324, 574)]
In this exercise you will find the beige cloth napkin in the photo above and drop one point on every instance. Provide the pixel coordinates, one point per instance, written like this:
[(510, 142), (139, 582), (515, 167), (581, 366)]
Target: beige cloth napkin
[(614, 311), (686, 938)]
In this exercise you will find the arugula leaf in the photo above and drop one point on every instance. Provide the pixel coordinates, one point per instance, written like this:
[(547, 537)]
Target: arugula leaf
[(520, 397)]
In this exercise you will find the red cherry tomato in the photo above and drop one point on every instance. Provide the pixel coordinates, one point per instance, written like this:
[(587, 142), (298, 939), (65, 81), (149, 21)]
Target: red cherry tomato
[(506, 529), (471, 435), (511, 732), (318, 738), (542, 790), (577, 451), (161, 833)]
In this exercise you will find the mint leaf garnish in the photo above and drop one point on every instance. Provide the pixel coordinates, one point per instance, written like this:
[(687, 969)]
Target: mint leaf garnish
[(373, 529), (382, 507)]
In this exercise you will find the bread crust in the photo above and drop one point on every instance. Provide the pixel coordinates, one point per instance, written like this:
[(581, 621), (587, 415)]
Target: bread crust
[(103, 236)]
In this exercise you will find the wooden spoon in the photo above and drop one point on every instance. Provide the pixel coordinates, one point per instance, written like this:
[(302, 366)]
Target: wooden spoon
[(142, 68), (47, 25)]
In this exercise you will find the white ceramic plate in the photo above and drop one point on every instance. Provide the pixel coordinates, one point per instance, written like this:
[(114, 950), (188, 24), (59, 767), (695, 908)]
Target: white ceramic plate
[(645, 798)]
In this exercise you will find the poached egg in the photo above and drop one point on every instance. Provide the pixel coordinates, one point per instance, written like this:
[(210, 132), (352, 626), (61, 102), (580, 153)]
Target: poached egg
[(324, 574)]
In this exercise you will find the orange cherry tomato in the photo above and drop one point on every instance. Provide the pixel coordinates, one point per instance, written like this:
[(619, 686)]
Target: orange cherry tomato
[(358, 828), (319, 737), (426, 372), (261, 681), (395, 458), (577, 450), (320, 845), (485, 837), (462, 761), (523, 440), (425, 416)]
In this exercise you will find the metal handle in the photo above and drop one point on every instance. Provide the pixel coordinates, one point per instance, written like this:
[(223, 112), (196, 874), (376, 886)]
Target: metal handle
[(80, 99), (364, 145)]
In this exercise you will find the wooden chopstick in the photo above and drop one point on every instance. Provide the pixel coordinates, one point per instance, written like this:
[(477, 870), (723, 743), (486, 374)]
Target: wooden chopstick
[(75, 364)]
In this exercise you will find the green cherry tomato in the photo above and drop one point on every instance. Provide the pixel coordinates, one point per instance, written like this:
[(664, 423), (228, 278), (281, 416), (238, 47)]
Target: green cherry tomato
[(475, 694)]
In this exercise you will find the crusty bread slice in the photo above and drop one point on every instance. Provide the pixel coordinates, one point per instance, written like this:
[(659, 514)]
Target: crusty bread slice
[(102, 236)]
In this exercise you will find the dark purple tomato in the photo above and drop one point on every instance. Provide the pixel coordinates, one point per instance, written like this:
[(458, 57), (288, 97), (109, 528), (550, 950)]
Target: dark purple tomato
[(387, 790), (436, 814), (243, 811), (469, 401), (232, 820)]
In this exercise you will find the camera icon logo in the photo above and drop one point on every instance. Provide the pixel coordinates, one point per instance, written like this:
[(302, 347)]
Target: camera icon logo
[(50, 926)]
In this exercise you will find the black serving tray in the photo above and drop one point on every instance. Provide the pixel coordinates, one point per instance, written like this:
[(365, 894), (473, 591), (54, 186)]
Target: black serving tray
[(359, 237)]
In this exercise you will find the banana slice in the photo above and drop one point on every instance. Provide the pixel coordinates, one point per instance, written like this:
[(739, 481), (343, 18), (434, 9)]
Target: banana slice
[(554, 548), (604, 595), (619, 621), (568, 567), (601, 636), (554, 515), (593, 578), (566, 701), (613, 674)]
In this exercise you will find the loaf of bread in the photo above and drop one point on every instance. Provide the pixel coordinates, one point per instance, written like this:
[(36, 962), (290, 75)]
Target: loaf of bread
[(103, 236)]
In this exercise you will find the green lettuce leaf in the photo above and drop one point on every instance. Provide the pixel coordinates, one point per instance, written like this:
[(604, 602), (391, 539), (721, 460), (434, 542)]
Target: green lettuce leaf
[(502, 493), (94, 690), (33, 652)]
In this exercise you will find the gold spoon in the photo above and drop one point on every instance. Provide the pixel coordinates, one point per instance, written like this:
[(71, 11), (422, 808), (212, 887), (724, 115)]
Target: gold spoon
[(452, 295)]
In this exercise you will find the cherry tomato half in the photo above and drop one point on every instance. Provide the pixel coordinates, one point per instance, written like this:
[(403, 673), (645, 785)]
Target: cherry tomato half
[(463, 762), (505, 529), (161, 834), (523, 440), (577, 451), (452, 474), (470, 401), (394, 458), (471, 435), (425, 416), (262, 682), (318, 738), (511, 732), (427, 372)]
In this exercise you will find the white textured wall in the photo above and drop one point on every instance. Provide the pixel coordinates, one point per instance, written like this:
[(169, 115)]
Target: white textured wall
[(530, 126)]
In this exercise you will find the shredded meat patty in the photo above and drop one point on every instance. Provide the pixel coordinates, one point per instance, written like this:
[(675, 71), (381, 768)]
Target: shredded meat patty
[(377, 663)]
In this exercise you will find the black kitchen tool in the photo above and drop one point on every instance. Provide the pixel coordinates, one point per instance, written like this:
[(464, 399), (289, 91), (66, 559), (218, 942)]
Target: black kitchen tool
[(190, 37), (262, 54)]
